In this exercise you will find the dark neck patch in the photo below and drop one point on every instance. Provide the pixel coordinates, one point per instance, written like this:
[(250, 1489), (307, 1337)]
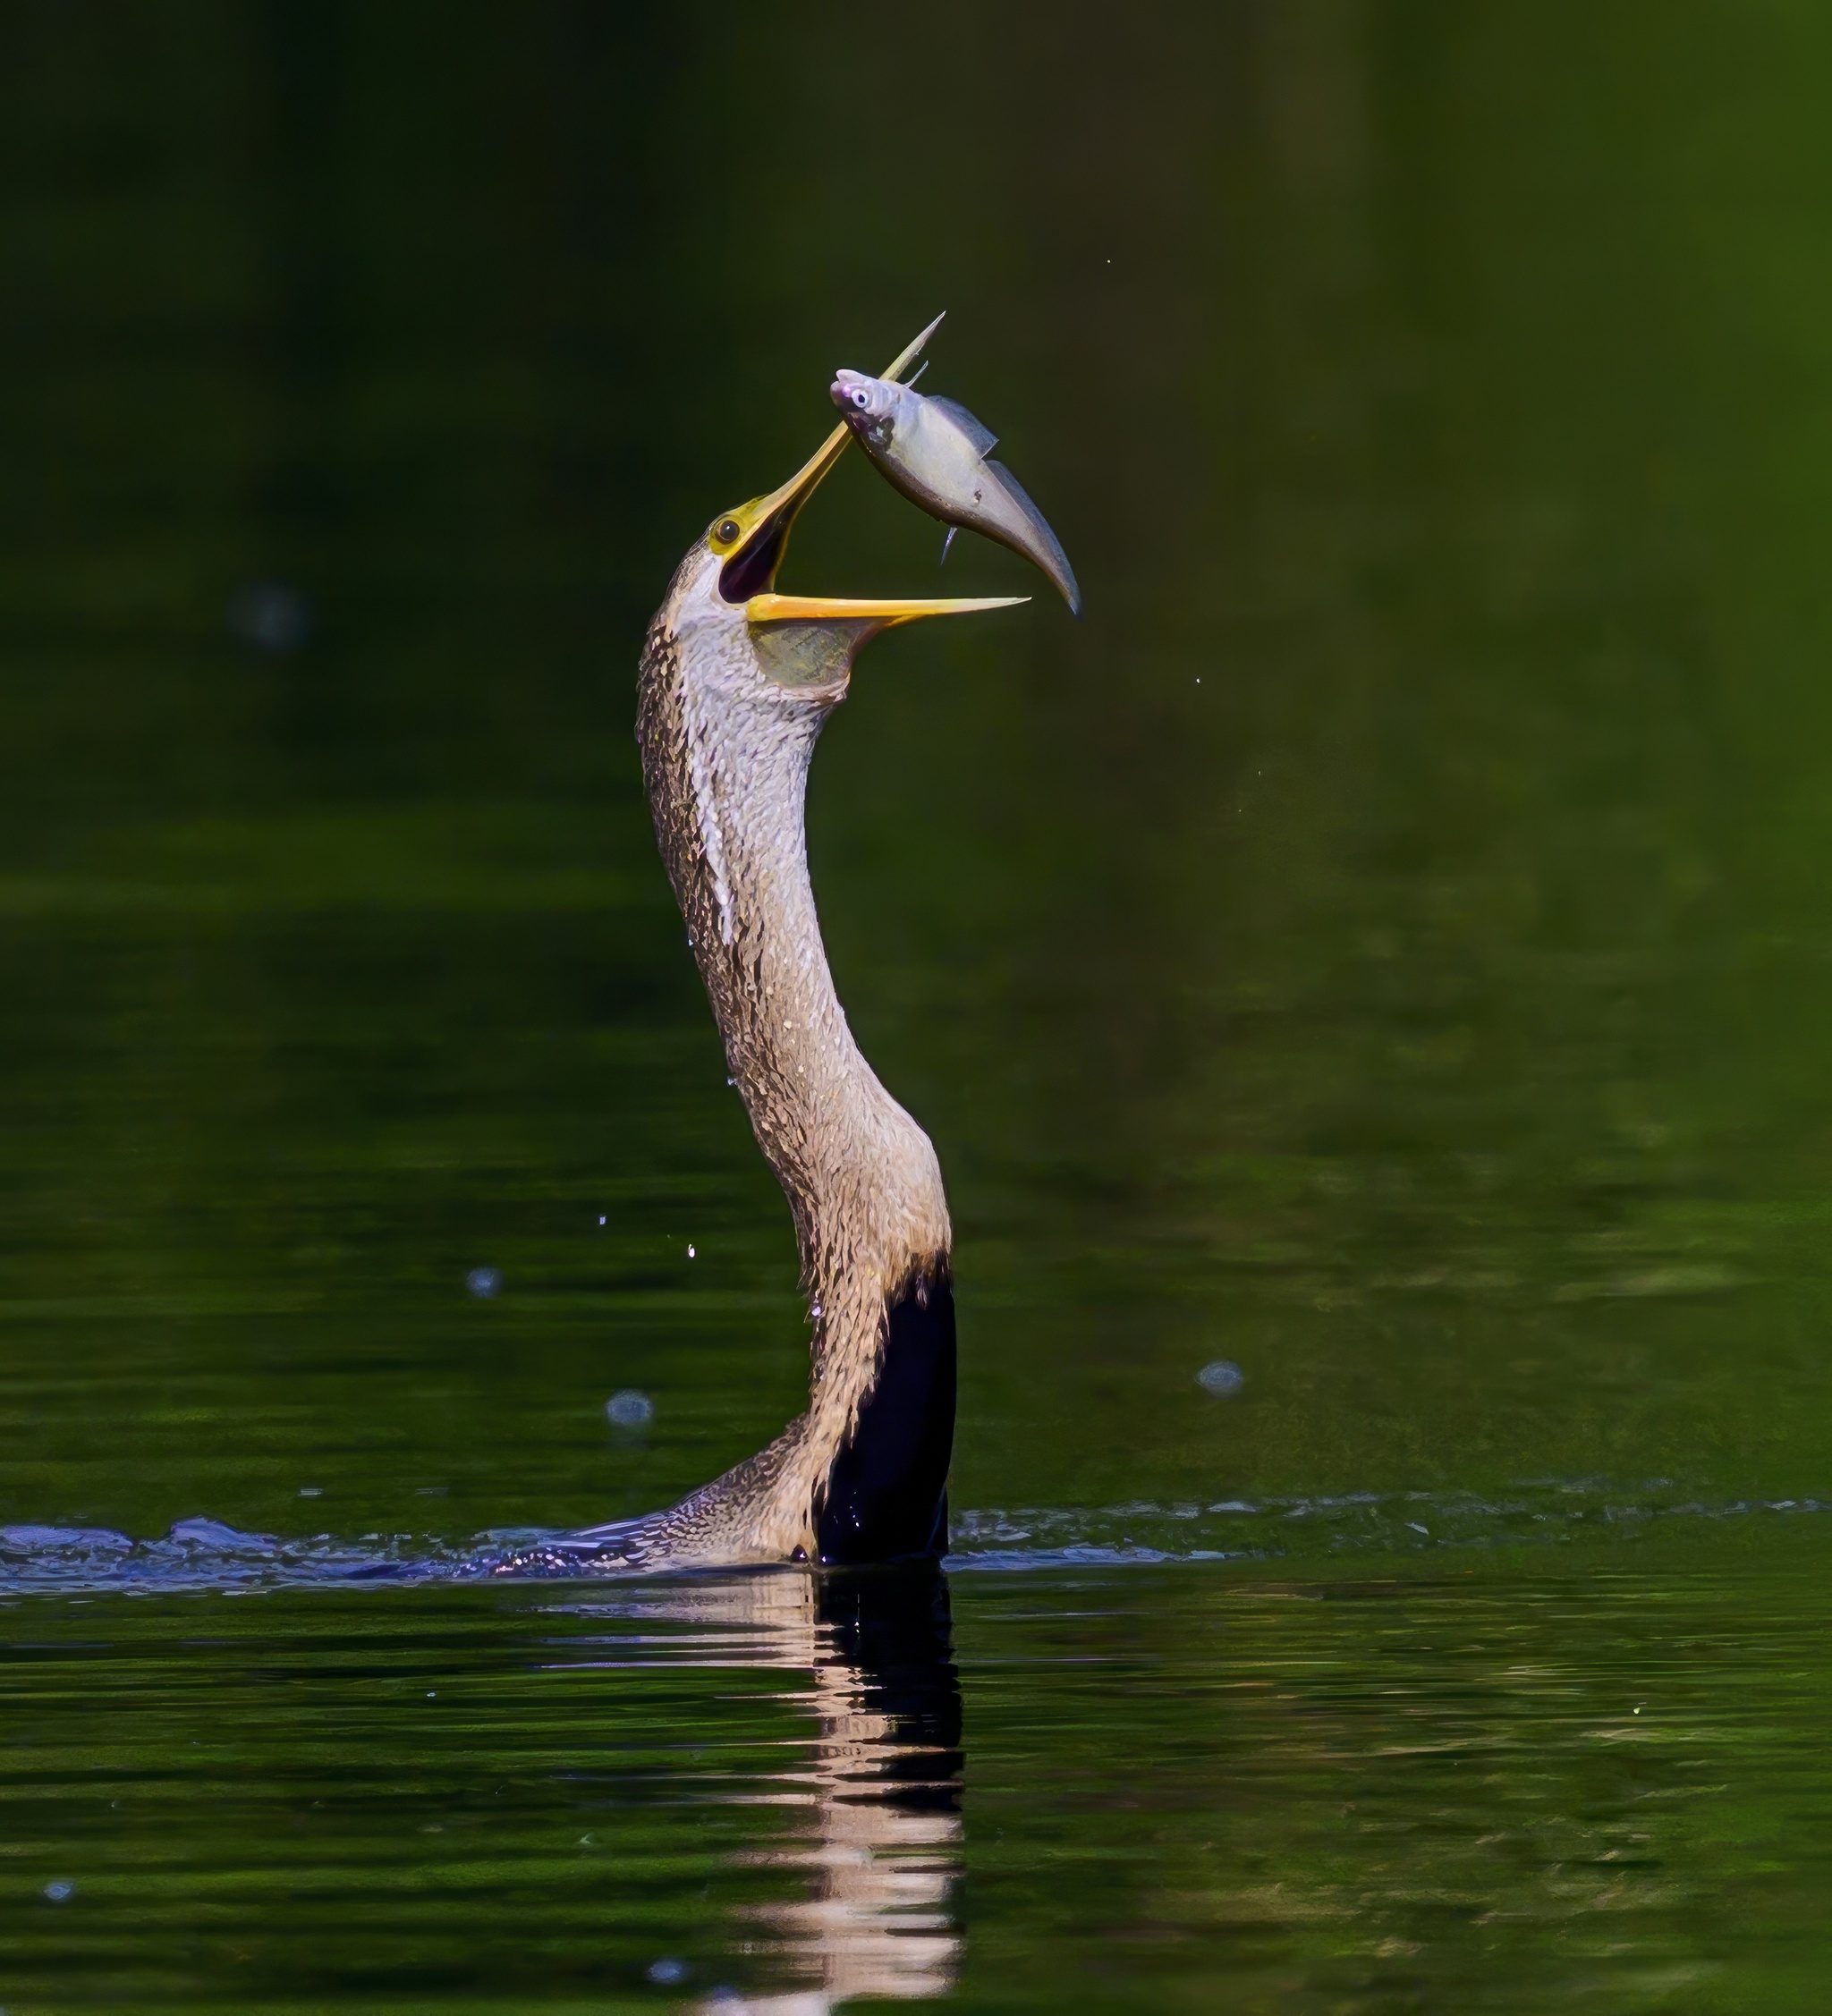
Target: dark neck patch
[(887, 1494)]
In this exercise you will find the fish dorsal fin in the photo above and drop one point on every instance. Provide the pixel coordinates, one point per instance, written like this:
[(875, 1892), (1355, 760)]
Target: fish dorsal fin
[(976, 430)]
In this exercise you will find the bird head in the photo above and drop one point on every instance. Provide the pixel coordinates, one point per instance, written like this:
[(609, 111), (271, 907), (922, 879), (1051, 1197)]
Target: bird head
[(749, 541)]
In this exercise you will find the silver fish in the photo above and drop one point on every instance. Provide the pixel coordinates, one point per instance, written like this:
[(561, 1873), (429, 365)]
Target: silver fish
[(936, 452)]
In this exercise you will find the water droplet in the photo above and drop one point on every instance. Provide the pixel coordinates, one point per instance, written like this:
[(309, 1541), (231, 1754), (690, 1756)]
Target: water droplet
[(666, 1973), (432, 1694), (311, 1491), (689, 1252), (483, 1282), (1222, 1377), (271, 616), (601, 1217), (630, 1408), (59, 1892)]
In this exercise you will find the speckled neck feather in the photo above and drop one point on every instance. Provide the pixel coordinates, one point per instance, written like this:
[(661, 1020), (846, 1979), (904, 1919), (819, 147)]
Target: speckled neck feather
[(728, 722)]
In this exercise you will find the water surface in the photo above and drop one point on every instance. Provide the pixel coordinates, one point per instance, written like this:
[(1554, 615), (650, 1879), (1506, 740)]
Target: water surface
[(1384, 947)]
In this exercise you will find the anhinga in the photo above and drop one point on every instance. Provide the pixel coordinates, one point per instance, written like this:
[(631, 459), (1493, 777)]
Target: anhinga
[(736, 683)]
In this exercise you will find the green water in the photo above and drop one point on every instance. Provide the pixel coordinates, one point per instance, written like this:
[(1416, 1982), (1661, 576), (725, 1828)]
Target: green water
[(1385, 946)]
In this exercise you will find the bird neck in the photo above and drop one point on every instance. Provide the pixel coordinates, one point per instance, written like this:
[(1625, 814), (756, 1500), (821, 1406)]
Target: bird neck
[(726, 756)]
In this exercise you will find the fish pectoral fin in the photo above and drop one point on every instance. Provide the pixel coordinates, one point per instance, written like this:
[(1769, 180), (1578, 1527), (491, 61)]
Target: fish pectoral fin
[(976, 429), (946, 543)]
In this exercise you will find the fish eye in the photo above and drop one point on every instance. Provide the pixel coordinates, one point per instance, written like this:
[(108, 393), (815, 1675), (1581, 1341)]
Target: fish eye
[(726, 530), (860, 397)]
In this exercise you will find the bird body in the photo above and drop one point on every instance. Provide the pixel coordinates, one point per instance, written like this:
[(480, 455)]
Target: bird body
[(939, 455), (736, 685)]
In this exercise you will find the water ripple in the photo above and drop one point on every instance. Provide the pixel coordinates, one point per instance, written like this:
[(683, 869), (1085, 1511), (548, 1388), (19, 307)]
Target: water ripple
[(199, 1554)]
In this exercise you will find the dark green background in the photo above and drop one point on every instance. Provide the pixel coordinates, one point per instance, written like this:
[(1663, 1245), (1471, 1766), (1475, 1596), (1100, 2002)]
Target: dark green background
[(1384, 944)]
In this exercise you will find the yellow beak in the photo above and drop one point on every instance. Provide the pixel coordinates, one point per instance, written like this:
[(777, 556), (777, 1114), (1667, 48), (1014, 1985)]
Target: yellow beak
[(879, 616), (810, 641)]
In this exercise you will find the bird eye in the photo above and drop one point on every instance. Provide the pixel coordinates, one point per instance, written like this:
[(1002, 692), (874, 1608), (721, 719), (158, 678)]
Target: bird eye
[(726, 530)]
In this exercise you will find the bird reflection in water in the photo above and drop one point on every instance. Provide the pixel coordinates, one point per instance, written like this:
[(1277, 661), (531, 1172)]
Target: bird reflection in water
[(875, 1825)]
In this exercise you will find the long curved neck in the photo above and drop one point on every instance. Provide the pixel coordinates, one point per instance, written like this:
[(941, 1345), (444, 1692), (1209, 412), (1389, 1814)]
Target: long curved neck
[(727, 773), (725, 756), (840, 1146)]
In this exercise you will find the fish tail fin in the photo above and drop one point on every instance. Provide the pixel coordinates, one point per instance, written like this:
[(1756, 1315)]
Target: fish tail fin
[(1047, 551)]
